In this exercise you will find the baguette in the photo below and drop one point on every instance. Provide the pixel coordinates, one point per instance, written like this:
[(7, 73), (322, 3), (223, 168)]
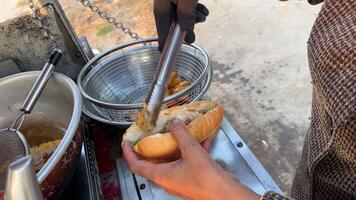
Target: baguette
[(202, 119)]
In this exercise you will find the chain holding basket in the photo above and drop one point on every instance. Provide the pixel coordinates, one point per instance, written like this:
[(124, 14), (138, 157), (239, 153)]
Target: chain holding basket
[(88, 4)]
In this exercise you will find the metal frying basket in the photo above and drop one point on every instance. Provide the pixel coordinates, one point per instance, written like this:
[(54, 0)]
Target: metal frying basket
[(115, 83)]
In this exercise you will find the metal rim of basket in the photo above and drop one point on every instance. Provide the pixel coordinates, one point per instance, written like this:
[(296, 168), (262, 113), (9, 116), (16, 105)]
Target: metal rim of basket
[(207, 73), (99, 117)]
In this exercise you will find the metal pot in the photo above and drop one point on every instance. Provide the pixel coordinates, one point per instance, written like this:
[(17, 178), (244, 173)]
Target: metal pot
[(60, 102)]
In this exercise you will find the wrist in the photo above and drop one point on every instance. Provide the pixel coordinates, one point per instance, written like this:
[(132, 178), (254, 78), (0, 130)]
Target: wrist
[(233, 189)]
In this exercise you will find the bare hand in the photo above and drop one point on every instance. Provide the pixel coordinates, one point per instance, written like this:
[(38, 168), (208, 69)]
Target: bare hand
[(194, 176)]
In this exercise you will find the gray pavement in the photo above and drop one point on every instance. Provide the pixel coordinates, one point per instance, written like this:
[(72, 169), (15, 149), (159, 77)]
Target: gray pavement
[(258, 51)]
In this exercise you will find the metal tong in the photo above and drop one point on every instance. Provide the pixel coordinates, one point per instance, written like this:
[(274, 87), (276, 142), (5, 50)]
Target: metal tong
[(168, 57)]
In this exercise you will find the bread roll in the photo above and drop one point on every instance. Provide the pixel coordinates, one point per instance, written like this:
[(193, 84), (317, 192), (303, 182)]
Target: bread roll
[(202, 118)]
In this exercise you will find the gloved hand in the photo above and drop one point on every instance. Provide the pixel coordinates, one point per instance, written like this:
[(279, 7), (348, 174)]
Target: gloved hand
[(187, 12)]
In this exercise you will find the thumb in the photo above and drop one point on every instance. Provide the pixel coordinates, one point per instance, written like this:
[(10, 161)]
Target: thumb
[(187, 144)]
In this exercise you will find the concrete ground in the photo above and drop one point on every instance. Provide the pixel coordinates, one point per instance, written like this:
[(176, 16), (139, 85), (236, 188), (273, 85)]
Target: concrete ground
[(9, 9), (258, 52)]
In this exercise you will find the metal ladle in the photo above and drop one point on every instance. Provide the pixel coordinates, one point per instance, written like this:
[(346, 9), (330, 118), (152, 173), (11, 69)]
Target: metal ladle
[(22, 181), (13, 144)]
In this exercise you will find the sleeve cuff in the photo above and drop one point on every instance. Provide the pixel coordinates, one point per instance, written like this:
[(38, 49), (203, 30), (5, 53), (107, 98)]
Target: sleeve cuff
[(270, 195), (314, 2)]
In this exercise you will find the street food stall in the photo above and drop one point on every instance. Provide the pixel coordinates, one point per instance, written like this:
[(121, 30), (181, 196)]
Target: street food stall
[(76, 127)]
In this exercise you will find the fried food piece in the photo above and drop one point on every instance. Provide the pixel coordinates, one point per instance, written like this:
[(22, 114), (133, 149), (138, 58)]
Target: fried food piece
[(178, 89), (174, 83), (168, 92), (172, 76), (142, 119), (43, 152), (183, 84)]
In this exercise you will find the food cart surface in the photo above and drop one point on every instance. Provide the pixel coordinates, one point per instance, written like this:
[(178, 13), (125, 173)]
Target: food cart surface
[(103, 173)]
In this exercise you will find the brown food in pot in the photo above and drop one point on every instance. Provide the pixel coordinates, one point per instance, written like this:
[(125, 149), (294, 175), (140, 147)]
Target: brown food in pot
[(42, 153), (43, 136)]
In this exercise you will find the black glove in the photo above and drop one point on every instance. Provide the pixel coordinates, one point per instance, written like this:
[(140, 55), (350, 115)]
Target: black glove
[(187, 12)]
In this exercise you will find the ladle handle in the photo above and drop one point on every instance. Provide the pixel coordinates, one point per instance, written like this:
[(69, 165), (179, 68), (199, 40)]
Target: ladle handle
[(41, 81)]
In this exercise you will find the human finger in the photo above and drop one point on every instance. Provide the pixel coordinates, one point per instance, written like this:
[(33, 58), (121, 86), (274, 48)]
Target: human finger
[(206, 144), (141, 167), (186, 142)]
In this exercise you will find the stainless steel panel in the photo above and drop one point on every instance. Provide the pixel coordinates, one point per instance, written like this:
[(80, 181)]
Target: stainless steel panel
[(91, 165), (127, 182), (255, 166)]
